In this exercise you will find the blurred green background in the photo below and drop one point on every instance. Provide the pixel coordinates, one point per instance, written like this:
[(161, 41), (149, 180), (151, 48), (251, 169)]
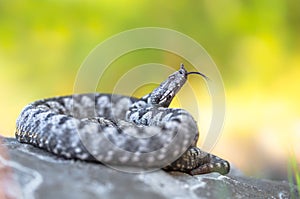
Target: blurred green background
[(255, 44)]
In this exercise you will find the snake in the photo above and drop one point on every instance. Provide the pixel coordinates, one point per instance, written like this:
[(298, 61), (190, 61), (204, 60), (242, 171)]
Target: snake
[(120, 130)]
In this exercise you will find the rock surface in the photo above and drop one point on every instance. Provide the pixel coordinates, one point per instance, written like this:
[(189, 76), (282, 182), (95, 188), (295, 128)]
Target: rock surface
[(29, 172)]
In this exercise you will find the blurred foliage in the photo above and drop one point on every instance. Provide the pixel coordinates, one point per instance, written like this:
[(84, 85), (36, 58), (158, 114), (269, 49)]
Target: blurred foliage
[(255, 44), (294, 176)]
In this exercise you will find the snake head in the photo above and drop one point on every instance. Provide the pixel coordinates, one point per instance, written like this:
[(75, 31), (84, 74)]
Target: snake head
[(163, 95)]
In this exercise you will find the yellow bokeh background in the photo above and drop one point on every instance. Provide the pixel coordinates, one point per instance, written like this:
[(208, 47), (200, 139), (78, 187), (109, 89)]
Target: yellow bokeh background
[(255, 44)]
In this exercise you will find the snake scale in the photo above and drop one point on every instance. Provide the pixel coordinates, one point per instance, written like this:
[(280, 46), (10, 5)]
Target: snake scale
[(120, 130)]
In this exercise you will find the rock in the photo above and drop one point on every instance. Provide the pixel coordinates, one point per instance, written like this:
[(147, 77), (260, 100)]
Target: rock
[(29, 172)]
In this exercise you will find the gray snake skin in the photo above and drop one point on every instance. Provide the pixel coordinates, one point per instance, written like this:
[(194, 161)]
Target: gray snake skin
[(120, 130)]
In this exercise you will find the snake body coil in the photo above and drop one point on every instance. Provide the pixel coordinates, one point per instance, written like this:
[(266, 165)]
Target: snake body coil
[(120, 130)]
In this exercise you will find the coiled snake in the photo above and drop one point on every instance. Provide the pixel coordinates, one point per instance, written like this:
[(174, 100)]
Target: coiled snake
[(120, 130)]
